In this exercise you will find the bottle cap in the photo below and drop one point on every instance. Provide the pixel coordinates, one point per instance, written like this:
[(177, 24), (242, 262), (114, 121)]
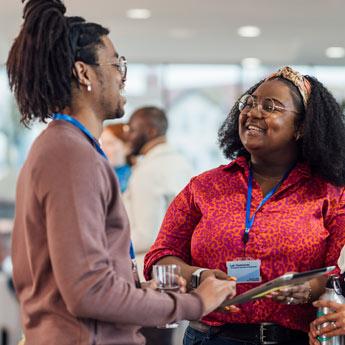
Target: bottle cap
[(334, 283)]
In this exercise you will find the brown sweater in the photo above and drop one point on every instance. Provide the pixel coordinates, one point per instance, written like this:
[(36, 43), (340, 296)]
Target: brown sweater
[(71, 241)]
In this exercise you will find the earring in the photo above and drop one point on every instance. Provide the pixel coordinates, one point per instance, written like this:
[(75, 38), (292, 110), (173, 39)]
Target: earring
[(89, 88)]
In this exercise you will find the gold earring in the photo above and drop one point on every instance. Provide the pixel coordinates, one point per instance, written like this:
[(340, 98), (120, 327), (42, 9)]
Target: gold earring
[(89, 88)]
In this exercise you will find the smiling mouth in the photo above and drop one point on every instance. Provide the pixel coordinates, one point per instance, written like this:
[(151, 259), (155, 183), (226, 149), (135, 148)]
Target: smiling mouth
[(254, 129)]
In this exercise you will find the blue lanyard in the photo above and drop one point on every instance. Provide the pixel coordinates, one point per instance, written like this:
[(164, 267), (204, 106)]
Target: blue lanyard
[(77, 124), (250, 220)]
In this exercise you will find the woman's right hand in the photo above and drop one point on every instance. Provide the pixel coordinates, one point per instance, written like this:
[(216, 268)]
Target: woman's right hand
[(214, 291)]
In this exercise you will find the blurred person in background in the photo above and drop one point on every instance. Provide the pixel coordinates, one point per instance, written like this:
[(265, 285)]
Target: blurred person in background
[(71, 240), (278, 207), (158, 175), (114, 142)]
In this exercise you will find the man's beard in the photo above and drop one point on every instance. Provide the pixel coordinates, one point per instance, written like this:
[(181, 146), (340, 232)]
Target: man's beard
[(139, 144), (120, 112), (117, 113)]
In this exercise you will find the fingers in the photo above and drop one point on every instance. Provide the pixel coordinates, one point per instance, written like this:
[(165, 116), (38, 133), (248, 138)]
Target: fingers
[(329, 304), (291, 294), (332, 317), (332, 333), (183, 284), (216, 273), (151, 284), (225, 286), (313, 340), (313, 331), (329, 325), (214, 291), (232, 309)]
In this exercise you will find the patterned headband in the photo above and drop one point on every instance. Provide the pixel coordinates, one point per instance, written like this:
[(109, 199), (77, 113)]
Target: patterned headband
[(302, 84)]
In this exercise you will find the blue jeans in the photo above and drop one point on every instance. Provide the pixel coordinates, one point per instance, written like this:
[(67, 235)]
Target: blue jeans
[(194, 337)]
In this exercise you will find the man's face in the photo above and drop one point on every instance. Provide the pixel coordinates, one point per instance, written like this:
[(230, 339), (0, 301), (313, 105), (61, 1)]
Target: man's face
[(138, 134), (111, 83)]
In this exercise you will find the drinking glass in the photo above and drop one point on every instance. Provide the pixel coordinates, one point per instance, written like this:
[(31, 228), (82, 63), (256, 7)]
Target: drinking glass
[(167, 277)]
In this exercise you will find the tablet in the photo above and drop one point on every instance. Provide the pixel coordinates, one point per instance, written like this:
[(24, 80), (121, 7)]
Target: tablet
[(285, 280)]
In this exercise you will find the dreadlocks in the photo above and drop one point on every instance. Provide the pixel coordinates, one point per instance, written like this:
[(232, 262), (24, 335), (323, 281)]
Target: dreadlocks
[(40, 62)]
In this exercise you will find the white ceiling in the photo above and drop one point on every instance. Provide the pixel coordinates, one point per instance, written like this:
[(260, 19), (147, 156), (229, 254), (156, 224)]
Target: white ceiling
[(293, 31)]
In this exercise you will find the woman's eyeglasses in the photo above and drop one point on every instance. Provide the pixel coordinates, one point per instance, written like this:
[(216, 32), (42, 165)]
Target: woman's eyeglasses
[(266, 105), (121, 66)]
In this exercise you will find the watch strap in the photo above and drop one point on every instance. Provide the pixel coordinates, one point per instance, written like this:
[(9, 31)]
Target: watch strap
[(196, 276)]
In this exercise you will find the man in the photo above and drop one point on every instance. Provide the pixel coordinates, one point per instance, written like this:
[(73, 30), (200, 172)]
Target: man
[(72, 269), (158, 176)]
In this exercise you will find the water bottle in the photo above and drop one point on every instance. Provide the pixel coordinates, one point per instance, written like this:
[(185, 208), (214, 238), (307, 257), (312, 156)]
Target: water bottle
[(333, 293)]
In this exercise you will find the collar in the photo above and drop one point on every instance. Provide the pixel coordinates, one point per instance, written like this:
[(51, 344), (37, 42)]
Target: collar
[(239, 162), (152, 143), (301, 170)]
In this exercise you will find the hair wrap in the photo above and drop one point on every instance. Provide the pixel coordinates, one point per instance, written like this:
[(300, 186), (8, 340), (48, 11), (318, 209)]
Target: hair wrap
[(302, 83)]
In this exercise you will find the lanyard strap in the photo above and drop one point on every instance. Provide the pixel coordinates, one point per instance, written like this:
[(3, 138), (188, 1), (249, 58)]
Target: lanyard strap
[(77, 124), (250, 220)]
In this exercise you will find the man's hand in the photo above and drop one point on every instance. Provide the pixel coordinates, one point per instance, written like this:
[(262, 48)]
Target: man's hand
[(213, 273), (152, 284), (214, 291)]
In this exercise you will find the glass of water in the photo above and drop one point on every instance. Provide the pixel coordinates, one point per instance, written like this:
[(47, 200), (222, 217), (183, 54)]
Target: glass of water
[(167, 277)]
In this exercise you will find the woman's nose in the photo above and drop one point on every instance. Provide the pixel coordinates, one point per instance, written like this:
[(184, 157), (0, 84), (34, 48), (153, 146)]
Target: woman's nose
[(256, 111)]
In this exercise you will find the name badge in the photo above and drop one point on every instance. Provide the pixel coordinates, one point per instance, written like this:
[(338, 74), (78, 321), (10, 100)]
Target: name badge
[(246, 271)]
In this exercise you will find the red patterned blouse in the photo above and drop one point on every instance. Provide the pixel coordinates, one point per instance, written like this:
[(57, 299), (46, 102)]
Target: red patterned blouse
[(301, 227)]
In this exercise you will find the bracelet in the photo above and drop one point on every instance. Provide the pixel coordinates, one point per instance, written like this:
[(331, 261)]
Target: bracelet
[(308, 299)]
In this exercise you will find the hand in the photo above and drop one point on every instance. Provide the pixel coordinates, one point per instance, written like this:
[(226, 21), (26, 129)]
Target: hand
[(213, 273), (222, 276), (336, 321), (297, 294), (152, 284), (214, 291), (313, 335)]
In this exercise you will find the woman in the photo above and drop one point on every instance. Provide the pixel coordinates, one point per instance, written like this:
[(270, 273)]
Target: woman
[(114, 144), (279, 206)]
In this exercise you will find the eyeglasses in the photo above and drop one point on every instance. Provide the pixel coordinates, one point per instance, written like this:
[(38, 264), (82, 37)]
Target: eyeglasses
[(121, 66), (267, 105)]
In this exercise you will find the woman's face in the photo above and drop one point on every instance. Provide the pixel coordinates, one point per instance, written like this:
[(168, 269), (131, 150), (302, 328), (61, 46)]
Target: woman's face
[(265, 133)]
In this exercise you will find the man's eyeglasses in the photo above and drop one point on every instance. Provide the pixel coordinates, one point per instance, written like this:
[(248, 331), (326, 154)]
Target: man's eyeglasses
[(267, 105), (121, 66)]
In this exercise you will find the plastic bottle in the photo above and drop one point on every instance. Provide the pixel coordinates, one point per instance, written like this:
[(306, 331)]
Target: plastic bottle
[(333, 293)]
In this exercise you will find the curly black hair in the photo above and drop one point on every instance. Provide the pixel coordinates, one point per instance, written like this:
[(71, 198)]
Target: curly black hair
[(40, 62), (322, 144)]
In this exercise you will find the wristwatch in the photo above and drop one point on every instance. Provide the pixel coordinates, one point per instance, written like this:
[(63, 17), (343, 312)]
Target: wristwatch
[(196, 275)]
